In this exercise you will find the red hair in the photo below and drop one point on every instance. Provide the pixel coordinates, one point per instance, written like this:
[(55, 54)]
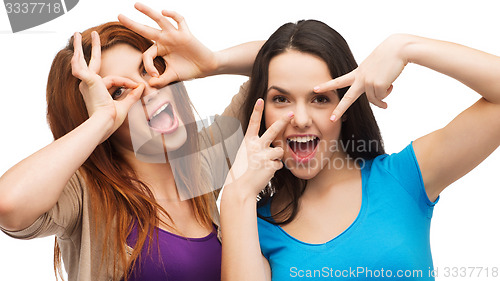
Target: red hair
[(118, 197)]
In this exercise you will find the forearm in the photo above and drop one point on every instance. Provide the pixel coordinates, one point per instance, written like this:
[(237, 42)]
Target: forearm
[(34, 185), (238, 59), (241, 255), (476, 69)]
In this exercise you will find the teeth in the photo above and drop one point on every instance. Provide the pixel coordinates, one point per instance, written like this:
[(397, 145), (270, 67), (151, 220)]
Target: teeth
[(160, 110), (302, 139)]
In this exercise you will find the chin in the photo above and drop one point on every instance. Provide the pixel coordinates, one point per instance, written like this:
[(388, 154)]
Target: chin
[(303, 171), (175, 141), (304, 175), (153, 151)]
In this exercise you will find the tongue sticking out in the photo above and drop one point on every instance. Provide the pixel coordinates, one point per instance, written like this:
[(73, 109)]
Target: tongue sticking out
[(162, 121)]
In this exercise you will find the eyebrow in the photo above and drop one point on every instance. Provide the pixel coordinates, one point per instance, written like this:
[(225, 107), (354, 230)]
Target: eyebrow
[(287, 93)]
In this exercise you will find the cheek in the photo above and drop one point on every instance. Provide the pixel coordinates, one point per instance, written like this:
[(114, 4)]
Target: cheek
[(268, 117), (272, 116), (331, 130), (179, 118), (332, 137)]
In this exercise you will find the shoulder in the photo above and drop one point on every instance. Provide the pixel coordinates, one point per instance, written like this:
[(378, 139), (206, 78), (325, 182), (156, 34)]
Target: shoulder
[(398, 175), (403, 165)]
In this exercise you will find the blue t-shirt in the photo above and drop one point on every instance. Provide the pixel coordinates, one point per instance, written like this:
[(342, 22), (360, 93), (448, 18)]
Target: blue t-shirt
[(388, 240)]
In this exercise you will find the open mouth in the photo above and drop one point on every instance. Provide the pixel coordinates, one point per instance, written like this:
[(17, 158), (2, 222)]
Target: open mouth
[(303, 147), (164, 120)]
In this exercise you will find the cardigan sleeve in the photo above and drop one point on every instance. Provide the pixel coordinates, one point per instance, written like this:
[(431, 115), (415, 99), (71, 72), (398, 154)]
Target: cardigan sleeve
[(62, 219)]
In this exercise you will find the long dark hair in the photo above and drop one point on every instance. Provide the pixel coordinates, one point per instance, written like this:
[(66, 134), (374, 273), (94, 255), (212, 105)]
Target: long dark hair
[(359, 126)]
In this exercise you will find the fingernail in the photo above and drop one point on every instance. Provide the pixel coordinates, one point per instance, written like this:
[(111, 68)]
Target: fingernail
[(316, 88), (260, 101), (290, 114), (333, 117)]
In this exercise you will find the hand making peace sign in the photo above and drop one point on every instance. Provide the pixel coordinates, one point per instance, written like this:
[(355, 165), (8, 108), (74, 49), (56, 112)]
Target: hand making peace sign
[(374, 76), (256, 161)]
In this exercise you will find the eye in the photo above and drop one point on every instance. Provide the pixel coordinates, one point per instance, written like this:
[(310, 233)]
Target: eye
[(321, 99), (279, 99), (118, 93)]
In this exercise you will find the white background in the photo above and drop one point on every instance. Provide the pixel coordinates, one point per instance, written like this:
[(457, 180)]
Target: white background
[(465, 228)]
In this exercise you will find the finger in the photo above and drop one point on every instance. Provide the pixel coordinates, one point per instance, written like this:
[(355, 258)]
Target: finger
[(354, 92), (255, 118), (277, 127), (144, 30), (95, 59), (181, 22), (370, 91), (389, 91), (275, 153), (117, 81), (166, 78), (154, 15), (277, 165), (377, 102), (382, 91), (132, 97), (78, 64), (148, 59), (77, 45), (337, 83)]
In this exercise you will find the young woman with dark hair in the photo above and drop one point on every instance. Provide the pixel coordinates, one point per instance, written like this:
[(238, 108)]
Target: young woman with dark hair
[(333, 204)]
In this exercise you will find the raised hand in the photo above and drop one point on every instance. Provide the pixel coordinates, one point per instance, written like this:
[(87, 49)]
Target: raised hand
[(94, 89), (374, 76), (185, 56), (256, 161)]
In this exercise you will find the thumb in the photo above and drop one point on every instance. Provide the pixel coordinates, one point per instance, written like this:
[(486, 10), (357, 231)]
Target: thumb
[(132, 97), (166, 78)]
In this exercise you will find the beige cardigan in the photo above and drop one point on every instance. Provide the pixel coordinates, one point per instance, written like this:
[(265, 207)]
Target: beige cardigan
[(71, 219)]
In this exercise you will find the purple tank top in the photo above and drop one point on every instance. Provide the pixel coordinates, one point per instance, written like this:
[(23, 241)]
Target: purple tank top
[(178, 259)]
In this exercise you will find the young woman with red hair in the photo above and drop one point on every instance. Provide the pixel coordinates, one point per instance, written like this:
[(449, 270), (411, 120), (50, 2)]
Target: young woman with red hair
[(115, 216)]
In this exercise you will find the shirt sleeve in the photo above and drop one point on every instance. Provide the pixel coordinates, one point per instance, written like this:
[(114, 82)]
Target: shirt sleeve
[(219, 145), (62, 219), (403, 167), (234, 108), (220, 141)]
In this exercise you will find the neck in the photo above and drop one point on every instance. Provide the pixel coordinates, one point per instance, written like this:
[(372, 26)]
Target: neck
[(157, 176), (334, 175)]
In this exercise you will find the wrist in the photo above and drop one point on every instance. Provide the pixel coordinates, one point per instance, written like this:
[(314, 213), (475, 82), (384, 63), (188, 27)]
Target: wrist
[(220, 64), (104, 123), (239, 193), (405, 46)]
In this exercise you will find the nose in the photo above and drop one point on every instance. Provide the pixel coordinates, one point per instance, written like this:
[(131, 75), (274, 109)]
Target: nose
[(302, 119), (149, 93)]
